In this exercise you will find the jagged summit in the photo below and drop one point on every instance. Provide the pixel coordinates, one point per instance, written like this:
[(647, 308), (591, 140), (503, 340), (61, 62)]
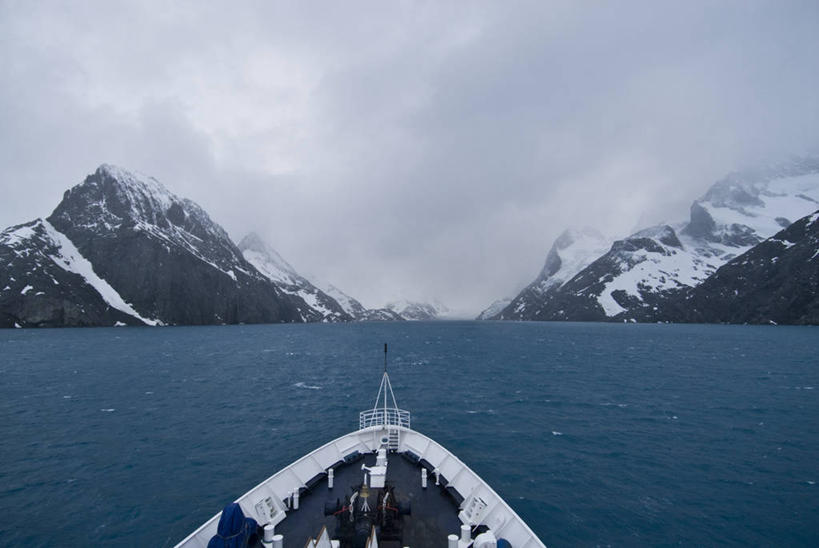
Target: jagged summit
[(113, 196), (746, 207), (571, 252), (113, 201), (126, 243), (267, 259), (776, 281)]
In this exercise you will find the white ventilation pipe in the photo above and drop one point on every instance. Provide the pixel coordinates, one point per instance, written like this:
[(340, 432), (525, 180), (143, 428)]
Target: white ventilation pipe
[(424, 478), (296, 499), (466, 534), (268, 534), (452, 541), (278, 541), (330, 477)]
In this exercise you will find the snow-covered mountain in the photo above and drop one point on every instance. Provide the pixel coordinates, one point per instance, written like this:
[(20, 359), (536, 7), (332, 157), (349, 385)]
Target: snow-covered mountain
[(354, 308), (776, 281), (350, 305), (411, 310), (46, 281), (268, 261), (121, 248), (635, 276), (493, 309), (571, 252)]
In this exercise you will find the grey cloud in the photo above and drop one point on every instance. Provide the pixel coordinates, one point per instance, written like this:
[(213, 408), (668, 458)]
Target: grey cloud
[(413, 150)]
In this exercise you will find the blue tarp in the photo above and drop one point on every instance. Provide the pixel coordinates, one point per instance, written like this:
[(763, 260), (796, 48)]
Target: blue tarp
[(234, 530)]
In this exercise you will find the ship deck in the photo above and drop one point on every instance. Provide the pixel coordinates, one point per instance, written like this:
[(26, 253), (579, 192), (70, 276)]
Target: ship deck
[(434, 510)]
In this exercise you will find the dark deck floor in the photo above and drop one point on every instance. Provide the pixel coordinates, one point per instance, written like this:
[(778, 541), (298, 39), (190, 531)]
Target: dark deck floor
[(434, 512)]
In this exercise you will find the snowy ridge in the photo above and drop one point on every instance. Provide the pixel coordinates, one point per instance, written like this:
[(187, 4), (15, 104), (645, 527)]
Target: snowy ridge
[(494, 309), (775, 282), (583, 279), (411, 310), (115, 199), (570, 253), (268, 261), (573, 251), (739, 214), (350, 305)]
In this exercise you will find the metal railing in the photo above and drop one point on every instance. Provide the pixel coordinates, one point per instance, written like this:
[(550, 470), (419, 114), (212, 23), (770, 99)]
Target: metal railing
[(383, 417)]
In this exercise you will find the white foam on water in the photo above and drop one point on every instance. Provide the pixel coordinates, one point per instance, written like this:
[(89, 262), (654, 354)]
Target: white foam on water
[(109, 410), (307, 386), (555, 433)]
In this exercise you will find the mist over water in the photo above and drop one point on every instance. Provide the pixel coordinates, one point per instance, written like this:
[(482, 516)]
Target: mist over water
[(594, 433)]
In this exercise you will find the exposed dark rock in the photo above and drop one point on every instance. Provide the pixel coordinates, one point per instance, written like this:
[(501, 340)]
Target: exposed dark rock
[(165, 255), (777, 281), (701, 225), (268, 262), (35, 291), (639, 276), (159, 256)]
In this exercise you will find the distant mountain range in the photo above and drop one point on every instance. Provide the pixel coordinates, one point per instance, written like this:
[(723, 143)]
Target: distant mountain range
[(681, 272), (120, 249)]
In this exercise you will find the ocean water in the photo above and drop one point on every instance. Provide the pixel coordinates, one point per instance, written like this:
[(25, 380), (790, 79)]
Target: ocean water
[(596, 434)]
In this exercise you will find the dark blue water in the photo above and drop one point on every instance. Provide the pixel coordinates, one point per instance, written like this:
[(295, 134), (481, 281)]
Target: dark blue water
[(596, 434)]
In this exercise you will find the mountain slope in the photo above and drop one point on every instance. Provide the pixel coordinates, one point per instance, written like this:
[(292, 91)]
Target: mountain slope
[(416, 311), (571, 252), (46, 282), (355, 309), (494, 309), (276, 269), (775, 281), (136, 243), (635, 277)]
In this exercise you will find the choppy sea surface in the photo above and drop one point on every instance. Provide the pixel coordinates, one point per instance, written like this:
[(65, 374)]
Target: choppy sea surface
[(596, 434)]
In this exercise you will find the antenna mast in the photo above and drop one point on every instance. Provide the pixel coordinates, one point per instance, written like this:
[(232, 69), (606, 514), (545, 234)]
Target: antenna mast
[(386, 384), (388, 415)]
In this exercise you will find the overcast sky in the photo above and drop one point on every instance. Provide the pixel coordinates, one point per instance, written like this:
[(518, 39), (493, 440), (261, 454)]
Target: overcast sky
[(406, 149)]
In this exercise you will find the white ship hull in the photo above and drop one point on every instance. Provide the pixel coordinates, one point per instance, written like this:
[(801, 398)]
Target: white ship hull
[(496, 514)]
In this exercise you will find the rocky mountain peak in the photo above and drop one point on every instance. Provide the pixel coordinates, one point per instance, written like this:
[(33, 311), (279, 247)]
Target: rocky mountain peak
[(267, 260), (745, 207), (573, 249), (412, 310), (113, 197), (661, 233), (113, 201)]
